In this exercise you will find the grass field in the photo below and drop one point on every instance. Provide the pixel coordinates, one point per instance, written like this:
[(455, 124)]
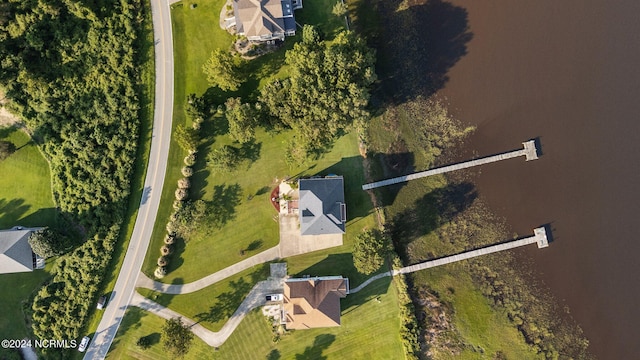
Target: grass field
[(484, 329), (25, 184), (369, 330), (25, 199)]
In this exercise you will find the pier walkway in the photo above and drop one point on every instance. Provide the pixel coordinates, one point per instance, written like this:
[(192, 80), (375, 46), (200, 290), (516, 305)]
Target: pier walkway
[(528, 151), (539, 237)]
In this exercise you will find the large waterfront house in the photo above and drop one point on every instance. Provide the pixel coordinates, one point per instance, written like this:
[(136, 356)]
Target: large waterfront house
[(264, 20), (321, 207), (313, 302)]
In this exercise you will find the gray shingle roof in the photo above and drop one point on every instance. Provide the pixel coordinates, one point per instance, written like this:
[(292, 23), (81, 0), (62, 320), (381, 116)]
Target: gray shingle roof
[(15, 251), (321, 206)]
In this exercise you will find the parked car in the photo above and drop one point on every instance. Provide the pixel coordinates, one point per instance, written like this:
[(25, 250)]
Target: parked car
[(274, 297), (83, 344), (102, 302)]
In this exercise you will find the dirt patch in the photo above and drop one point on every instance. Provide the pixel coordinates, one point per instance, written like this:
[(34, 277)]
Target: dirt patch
[(7, 118)]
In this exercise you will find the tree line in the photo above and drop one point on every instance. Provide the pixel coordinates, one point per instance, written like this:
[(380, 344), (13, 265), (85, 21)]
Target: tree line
[(71, 70)]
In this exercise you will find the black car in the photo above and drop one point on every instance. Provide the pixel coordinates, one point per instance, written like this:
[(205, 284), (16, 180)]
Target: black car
[(102, 302)]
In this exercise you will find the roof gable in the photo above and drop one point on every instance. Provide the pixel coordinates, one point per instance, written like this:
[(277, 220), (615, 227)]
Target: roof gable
[(322, 207), (15, 251), (262, 17), (311, 303)]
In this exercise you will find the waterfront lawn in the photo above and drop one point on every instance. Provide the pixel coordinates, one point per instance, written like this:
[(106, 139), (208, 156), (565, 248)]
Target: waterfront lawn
[(485, 330), (370, 329)]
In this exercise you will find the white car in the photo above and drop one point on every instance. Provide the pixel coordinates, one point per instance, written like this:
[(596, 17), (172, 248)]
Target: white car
[(274, 297), (83, 344)]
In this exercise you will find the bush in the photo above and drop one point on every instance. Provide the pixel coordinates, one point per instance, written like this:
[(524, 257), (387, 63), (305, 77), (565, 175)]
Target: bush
[(171, 227), (187, 171), (160, 272), (166, 250), (190, 160), (181, 194), (47, 243), (169, 239), (163, 261), (143, 343), (177, 204), (6, 149), (184, 183), (369, 251)]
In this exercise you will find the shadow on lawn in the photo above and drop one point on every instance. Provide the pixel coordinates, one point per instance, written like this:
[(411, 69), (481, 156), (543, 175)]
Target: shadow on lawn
[(431, 211), (222, 207), (227, 302), (11, 211), (320, 343)]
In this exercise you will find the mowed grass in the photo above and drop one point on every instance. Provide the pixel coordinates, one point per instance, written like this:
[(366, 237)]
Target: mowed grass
[(25, 199), (138, 323), (25, 184), (213, 305), (369, 330)]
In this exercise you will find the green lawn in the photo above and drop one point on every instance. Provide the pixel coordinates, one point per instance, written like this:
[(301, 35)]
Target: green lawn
[(213, 305), (484, 329), (370, 330), (25, 199), (25, 184)]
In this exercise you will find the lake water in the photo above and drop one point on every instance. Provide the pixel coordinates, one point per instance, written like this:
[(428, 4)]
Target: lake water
[(567, 72)]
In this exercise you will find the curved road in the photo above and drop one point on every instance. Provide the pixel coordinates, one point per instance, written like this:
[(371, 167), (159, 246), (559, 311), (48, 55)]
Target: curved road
[(125, 284)]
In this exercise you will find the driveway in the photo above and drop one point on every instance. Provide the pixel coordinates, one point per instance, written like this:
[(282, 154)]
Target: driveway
[(292, 243), (254, 299)]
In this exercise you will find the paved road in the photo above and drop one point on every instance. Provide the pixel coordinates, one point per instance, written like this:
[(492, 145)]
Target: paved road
[(255, 299), (125, 284)]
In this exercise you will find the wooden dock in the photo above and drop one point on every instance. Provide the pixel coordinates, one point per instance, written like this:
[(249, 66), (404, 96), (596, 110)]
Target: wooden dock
[(539, 237), (528, 151)]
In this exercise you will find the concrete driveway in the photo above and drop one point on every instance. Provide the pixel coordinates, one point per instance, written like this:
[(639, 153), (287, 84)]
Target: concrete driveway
[(292, 243)]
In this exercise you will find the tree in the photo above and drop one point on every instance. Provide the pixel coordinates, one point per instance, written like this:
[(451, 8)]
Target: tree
[(144, 342), (188, 217), (369, 251), (224, 159), (6, 149), (47, 243), (339, 9), (177, 337), (327, 91), (223, 70), (187, 138), (242, 120)]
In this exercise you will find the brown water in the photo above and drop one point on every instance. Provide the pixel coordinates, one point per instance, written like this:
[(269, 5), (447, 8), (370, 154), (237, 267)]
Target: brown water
[(569, 73)]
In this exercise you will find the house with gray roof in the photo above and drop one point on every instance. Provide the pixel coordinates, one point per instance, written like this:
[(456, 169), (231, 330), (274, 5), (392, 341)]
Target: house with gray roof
[(15, 252), (321, 207), (264, 20)]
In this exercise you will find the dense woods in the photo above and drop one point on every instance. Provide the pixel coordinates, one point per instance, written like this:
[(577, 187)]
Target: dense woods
[(70, 69)]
